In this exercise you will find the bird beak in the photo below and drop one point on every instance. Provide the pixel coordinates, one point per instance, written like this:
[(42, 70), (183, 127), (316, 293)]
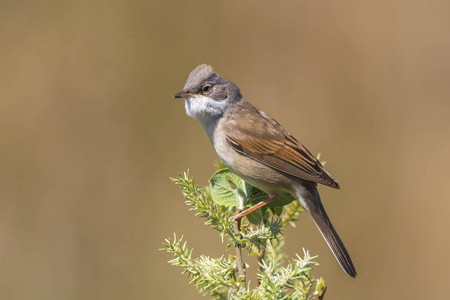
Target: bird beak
[(182, 95)]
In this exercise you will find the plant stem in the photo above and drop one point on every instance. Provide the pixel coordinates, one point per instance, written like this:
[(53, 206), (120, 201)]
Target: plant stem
[(239, 261), (262, 256)]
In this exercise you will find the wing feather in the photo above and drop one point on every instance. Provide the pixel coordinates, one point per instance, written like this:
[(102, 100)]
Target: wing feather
[(269, 143)]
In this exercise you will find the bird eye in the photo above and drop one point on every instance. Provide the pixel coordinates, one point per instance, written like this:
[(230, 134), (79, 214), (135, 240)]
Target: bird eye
[(206, 89)]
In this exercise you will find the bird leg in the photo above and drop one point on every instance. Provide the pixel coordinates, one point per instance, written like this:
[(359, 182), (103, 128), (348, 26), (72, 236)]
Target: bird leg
[(254, 207)]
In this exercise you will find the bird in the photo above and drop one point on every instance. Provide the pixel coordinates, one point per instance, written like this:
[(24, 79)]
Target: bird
[(258, 149)]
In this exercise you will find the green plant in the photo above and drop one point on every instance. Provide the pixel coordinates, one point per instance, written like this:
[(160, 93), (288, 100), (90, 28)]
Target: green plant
[(259, 234)]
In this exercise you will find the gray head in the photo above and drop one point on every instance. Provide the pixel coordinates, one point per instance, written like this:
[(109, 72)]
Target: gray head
[(208, 95)]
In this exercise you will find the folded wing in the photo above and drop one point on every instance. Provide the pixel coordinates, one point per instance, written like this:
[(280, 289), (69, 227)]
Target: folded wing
[(270, 144)]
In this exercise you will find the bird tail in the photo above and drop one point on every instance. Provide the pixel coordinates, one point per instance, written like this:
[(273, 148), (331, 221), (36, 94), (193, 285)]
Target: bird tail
[(332, 238)]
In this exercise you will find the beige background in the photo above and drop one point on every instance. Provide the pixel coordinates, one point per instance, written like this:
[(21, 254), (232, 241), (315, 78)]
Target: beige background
[(90, 135)]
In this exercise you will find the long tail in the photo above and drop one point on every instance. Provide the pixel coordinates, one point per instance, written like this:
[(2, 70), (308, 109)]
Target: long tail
[(323, 223)]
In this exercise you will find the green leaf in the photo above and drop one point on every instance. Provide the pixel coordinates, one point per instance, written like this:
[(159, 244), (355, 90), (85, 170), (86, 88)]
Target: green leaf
[(257, 196), (282, 200), (277, 210), (228, 189), (255, 217)]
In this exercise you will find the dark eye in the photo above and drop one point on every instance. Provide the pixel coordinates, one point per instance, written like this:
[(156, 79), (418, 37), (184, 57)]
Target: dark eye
[(206, 89)]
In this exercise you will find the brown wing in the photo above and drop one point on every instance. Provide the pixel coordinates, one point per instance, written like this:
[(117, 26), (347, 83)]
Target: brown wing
[(269, 143)]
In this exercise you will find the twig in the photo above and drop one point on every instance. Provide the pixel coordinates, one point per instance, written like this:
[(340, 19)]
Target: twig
[(239, 261), (262, 256)]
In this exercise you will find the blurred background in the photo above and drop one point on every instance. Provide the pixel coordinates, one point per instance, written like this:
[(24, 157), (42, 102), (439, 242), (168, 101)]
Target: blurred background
[(90, 135)]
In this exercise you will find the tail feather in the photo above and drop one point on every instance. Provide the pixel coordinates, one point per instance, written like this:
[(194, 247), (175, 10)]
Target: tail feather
[(333, 240)]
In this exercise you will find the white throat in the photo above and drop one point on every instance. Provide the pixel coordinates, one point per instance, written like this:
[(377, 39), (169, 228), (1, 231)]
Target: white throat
[(204, 109)]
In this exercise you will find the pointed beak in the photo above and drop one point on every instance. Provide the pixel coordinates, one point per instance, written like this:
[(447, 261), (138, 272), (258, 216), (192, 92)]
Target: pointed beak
[(182, 95)]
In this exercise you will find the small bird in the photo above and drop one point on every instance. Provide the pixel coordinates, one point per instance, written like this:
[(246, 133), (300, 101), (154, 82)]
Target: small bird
[(259, 150)]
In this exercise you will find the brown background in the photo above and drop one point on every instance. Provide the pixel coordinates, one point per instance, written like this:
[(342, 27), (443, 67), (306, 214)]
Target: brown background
[(90, 135)]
